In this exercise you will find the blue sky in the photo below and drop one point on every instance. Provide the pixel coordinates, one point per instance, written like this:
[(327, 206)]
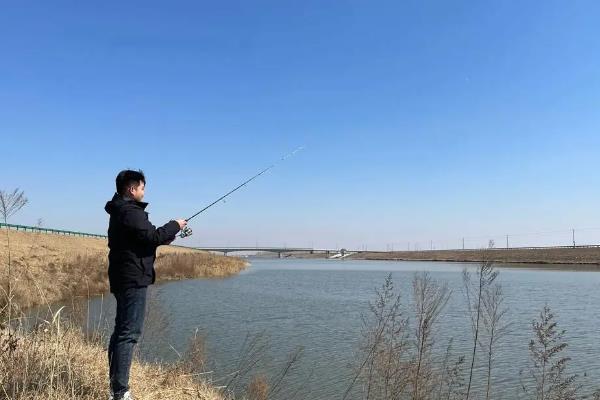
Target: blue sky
[(421, 120)]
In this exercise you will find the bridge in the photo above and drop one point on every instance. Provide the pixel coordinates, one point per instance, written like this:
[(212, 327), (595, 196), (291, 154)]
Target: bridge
[(279, 250), (337, 253)]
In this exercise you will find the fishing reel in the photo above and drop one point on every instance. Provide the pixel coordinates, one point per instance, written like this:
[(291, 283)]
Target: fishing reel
[(185, 232)]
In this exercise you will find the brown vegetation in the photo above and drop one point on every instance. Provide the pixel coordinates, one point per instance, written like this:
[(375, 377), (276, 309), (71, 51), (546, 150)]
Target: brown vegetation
[(589, 257), (396, 360), (258, 389), (56, 362), (48, 268), (549, 366)]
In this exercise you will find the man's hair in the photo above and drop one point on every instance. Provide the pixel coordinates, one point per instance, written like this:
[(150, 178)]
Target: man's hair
[(128, 178)]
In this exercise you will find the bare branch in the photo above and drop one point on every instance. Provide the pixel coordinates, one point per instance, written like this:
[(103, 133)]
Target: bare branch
[(11, 203)]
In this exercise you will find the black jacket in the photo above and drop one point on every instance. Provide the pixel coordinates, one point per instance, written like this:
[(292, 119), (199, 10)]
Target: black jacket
[(133, 240)]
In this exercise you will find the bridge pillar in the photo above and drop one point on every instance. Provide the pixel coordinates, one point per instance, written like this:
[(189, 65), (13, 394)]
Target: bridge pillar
[(327, 253), (279, 254), (225, 253)]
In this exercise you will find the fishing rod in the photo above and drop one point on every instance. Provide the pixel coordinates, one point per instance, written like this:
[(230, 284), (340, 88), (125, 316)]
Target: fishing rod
[(187, 231)]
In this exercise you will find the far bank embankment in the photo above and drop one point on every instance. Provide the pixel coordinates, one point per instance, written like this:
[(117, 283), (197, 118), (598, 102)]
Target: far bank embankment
[(588, 257)]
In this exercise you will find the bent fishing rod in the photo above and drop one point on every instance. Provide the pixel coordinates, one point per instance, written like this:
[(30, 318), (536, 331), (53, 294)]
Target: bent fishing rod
[(187, 231)]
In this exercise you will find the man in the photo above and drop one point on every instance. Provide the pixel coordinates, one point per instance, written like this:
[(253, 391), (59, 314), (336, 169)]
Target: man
[(132, 240)]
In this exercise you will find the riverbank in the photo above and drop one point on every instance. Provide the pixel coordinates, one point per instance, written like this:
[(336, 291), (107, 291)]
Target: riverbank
[(61, 364), (563, 258), (48, 268), (56, 360)]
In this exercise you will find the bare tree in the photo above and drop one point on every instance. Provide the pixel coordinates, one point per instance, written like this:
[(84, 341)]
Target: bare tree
[(10, 204), (430, 298)]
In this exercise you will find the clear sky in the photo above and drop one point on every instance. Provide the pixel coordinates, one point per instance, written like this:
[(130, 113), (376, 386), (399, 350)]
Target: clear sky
[(422, 120)]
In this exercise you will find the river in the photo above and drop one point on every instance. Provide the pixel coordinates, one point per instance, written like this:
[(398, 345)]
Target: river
[(316, 305)]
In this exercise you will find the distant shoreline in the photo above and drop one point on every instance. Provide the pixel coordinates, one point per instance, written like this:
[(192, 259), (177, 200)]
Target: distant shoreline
[(557, 258), (569, 259)]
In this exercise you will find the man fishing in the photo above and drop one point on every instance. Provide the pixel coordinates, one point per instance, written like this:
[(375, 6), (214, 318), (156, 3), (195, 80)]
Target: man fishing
[(132, 240)]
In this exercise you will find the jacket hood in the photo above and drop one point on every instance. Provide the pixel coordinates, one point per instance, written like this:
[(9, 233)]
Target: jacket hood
[(118, 202)]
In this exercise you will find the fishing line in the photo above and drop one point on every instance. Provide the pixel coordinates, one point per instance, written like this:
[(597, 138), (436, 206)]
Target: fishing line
[(188, 231)]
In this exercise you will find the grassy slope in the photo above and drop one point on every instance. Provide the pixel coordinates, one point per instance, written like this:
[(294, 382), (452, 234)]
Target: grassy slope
[(59, 363), (48, 268)]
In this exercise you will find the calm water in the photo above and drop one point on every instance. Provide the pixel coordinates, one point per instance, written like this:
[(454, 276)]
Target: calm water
[(317, 305)]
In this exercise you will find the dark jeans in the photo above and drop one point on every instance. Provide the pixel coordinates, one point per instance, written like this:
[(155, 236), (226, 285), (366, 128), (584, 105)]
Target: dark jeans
[(131, 306)]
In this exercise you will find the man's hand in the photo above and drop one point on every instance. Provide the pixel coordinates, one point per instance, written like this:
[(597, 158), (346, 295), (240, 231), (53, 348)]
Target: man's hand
[(182, 223)]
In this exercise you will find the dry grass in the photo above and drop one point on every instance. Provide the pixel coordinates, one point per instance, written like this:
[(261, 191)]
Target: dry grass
[(258, 389), (196, 264), (57, 363), (389, 365), (49, 268)]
